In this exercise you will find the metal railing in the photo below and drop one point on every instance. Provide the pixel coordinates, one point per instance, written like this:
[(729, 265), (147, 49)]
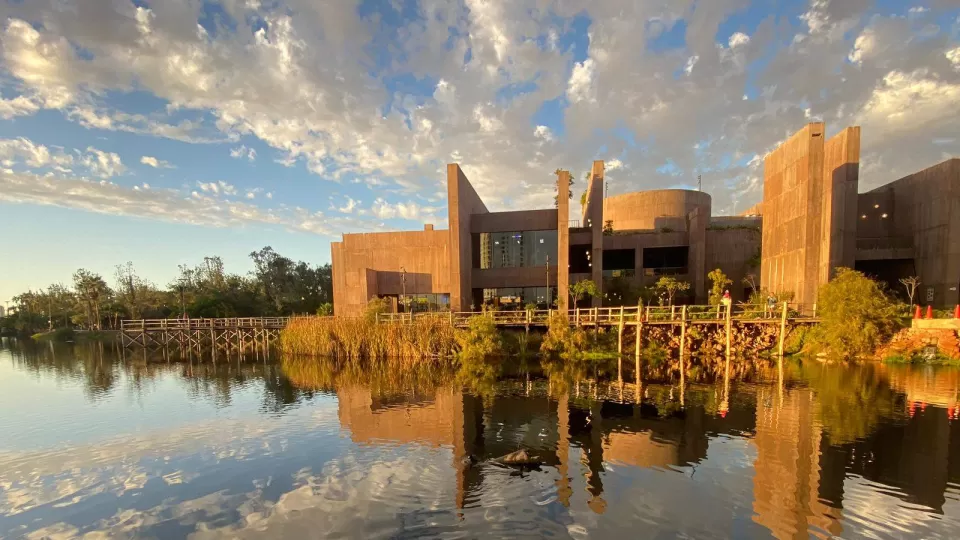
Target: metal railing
[(159, 325)]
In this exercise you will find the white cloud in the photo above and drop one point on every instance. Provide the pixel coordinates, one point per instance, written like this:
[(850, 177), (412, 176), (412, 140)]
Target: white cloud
[(155, 163), (297, 78), (243, 152), (953, 55), (349, 206), (580, 85), (217, 188), (103, 164), (863, 46), (613, 165), (25, 151), (737, 39), (918, 9), (543, 132), (409, 210), (18, 106)]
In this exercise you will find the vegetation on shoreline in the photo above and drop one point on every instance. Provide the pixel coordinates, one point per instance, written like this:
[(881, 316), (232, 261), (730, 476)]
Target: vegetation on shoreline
[(277, 286)]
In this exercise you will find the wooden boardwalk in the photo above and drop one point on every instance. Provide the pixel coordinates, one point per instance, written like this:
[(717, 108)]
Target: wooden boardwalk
[(629, 316), (237, 332)]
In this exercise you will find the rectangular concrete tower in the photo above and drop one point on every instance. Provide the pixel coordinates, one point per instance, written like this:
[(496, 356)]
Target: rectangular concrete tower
[(809, 211), (841, 176), (792, 202), (462, 202), (594, 212), (563, 240)]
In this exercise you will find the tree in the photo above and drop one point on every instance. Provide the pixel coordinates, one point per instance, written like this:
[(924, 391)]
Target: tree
[(670, 286), (720, 283), (608, 227), (856, 316), (910, 284), (92, 291), (583, 289), (751, 281), (556, 187)]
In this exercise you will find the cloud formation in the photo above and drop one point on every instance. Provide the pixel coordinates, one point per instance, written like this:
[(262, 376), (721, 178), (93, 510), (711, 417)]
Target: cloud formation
[(317, 82), (151, 161)]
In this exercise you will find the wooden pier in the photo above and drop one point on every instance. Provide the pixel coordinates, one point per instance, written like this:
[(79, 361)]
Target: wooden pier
[(239, 333)]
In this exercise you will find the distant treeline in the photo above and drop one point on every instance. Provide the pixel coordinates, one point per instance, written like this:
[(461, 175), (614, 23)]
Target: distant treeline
[(277, 286)]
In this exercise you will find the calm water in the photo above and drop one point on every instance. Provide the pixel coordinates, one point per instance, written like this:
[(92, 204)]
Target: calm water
[(91, 442)]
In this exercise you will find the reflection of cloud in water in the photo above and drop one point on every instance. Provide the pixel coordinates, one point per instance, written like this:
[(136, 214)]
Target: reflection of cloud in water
[(37, 486)]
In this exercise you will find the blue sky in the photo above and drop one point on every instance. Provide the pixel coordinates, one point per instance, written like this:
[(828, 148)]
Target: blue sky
[(163, 132)]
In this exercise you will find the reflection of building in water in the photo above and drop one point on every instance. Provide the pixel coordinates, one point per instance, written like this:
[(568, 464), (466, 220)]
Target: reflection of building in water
[(788, 483), (925, 386), (369, 419)]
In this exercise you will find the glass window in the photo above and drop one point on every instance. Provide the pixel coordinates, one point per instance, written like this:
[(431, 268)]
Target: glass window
[(514, 249), (517, 298)]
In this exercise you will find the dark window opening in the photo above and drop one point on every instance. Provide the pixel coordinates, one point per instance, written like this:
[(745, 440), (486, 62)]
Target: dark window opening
[(666, 260), (580, 259), (889, 272), (619, 259)]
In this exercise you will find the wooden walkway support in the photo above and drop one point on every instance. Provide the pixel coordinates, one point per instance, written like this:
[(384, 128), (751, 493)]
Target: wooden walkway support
[(239, 333)]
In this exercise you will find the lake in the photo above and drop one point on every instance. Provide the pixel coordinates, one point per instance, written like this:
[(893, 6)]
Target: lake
[(93, 440)]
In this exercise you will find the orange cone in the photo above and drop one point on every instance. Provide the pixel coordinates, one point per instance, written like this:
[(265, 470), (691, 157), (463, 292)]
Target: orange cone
[(929, 312), (956, 312), (916, 312)]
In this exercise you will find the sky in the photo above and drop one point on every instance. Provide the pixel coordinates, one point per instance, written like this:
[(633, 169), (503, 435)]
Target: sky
[(163, 131)]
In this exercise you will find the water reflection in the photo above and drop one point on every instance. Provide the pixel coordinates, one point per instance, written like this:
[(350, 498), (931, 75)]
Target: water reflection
[(265, 448)]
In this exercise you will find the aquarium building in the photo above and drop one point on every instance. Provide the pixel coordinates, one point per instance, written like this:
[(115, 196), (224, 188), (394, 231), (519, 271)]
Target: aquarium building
[(811, 220)]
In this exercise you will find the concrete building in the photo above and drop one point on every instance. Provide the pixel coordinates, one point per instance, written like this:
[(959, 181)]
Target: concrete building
[(811, 221), (814, 220), (511, 259)]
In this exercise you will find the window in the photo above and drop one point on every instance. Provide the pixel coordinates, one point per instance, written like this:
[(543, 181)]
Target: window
[(619, 259), (514, 249), (517, 298), (422, 302), (665, 260)]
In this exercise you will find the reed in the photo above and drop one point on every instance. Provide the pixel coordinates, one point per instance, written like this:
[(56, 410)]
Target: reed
[(344, 338)]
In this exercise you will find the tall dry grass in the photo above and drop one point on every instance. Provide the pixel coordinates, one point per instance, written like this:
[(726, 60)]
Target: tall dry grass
[(424, 338)]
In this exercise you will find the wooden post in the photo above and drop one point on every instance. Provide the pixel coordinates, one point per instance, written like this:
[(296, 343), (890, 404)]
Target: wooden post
[(683, 331), (814, 311), (451, 317), (673, 312), (577, 316), (620, 347), (783, 327), (637, 347), (729, 309)]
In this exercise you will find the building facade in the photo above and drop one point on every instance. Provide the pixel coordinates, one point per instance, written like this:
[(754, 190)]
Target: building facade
[(811, 221)]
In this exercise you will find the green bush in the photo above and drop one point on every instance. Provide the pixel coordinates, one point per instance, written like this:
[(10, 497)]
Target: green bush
[(856, 316)]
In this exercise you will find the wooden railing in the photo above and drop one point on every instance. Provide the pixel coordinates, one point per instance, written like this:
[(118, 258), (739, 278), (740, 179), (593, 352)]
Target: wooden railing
[(613, 315), (160, 325)]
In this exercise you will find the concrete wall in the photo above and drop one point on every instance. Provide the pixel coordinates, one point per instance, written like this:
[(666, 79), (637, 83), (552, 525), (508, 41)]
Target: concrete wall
[(923, 210), (521, 220), (563, 239), (731, 250), (841, 173), (658, 209), (463, 203), (697, 256), (494, 278), (366, 265), (594, 213), (792, 205)]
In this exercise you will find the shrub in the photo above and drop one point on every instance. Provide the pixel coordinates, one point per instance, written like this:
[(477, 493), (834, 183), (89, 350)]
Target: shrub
[(325, 309), (856, 316), (720, 282)]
